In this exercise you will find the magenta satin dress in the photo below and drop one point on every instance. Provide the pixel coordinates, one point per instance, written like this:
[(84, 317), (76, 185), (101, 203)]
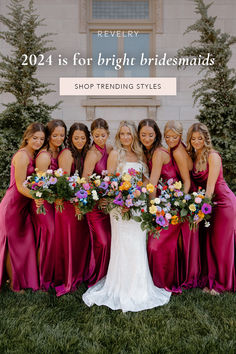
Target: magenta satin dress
[(100, 232), (17, 233), (72, 251), (190, 262), (44, 232), (163, 254), (218, 241)]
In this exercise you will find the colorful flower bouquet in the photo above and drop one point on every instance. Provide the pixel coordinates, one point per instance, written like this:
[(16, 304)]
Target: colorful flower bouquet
[(62, 189), (125, 192), (199, 208), (84, 195), (163, 210), (41, 186)]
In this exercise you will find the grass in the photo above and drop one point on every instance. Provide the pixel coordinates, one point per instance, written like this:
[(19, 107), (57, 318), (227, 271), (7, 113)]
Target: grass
[(191, 323)]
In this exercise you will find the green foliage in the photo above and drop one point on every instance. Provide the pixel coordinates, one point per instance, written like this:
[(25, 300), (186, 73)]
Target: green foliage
[(216, 91), (20, 81), (193, 322)]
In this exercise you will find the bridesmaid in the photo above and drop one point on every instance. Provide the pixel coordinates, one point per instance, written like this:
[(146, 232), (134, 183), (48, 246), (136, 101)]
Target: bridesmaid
[(189, 248), (163, 253), (99, 223), (220, 237), (17, 244), (72, 236), (46, 159)]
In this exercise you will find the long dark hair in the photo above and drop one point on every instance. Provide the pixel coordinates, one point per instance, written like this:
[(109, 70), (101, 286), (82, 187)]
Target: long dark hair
[(157, 143), (78, 156), (30, 131), (50, 127)]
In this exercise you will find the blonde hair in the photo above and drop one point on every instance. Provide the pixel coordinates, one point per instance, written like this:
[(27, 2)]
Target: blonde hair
[(202, 129), (135, 146), (174, 125)]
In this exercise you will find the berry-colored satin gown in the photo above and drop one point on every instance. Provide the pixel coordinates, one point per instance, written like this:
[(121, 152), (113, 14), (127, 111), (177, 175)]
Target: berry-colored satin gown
[(17, 234), (100, 232), (44, 230), (72, 238), (190, 262), (170, 265), (218, 241)]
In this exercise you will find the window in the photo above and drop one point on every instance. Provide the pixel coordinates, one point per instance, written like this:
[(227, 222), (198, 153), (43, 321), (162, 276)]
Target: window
[(107, 9), (117, 47)]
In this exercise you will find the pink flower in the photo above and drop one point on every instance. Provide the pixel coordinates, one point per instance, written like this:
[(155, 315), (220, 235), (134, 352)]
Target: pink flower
[(144, 190), (86, 186), (198, 200), (168, 216), (107, 179), (114, 185)]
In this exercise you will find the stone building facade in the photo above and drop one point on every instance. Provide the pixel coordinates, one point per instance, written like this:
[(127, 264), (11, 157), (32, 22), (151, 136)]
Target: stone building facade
[(160, 23)]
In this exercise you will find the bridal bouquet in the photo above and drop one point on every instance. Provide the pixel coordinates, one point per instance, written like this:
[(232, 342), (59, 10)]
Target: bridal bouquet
[(84, 195), (165, 209), (41, 185), (125, 192)]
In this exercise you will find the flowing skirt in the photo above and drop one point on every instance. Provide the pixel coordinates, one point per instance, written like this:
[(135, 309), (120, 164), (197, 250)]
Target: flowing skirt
[(128, 285)]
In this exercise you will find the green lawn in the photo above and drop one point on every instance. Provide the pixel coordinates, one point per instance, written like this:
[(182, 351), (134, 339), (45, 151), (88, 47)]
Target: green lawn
[(191, 323)]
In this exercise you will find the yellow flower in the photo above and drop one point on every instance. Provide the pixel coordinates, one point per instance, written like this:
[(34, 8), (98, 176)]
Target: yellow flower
[(152, 201), (153, 209), (125, 186), (40, 174), (201, 214), (81, 180), (192, 207), (174, 220), (97, 182), (150, 187), (178, 185), (126, 177)]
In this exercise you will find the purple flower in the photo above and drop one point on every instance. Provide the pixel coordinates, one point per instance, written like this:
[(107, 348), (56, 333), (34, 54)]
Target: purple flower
[(129, 203), (118, 200), (206, 208), (187, 197), (81, 194), (53, 180), (160, 220), (104, 185)]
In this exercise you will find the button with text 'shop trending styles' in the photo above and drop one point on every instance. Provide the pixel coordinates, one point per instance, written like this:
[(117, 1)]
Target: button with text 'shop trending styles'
[(90, 86)]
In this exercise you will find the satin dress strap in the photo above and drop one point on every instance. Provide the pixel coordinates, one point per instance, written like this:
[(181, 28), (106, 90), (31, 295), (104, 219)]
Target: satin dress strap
[(102, 163)]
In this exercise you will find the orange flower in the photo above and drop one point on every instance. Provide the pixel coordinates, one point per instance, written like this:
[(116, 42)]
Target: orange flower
[(125, 186), (200, 214), (140, 183), (174, 220)]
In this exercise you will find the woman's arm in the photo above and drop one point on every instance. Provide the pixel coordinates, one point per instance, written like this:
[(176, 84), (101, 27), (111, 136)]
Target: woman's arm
[(214, 162), (89, 164), (112, 161), (157, 163), (65, 161), (43, 161), (21, 162), (181, 159)]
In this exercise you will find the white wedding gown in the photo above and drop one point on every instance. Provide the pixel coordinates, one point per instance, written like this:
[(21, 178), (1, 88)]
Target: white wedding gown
[(128, 284)]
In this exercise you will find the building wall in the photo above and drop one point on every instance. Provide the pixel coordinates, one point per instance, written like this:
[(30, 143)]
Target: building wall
[(62, 17)]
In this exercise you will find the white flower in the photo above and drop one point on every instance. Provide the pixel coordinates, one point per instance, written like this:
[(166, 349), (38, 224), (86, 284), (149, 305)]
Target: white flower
[(95, 195), (207, 224), (39, 194), (168, 216), (157, 200), (49, 172), (176, 203), (194, 193)]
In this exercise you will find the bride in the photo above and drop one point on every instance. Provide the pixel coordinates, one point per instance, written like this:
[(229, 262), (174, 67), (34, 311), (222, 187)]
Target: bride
[(128, 284)]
